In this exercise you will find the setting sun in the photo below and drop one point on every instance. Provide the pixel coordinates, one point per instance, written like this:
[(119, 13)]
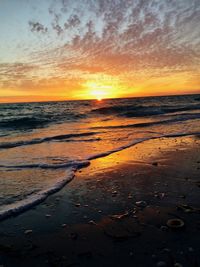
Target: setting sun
[(101, 87), (98, 94)]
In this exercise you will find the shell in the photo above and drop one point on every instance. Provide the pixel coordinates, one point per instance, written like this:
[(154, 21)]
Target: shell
[(175, 223)]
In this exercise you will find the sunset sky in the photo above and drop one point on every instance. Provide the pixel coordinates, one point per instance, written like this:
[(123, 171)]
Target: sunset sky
[(83, 49)]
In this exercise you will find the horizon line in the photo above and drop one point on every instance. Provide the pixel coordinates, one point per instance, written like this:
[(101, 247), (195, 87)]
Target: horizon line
[(94, 99)]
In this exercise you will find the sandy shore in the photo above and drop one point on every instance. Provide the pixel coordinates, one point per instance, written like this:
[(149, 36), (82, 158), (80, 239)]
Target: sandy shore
[(116, 212)]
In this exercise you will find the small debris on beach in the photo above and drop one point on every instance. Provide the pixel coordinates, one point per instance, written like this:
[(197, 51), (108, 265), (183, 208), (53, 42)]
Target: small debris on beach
[(161, 264), (92, 222), (141, 204), (64, 225), (114, 193), (175, 223), (119, 216), (27, 232), (182, 196), (48, 215), (164, 228), (188, 209), (160, 195), (155, 163), (77, 205)]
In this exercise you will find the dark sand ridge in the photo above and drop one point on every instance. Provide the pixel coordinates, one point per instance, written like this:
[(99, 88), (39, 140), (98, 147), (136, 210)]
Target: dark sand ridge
[(76, 226)]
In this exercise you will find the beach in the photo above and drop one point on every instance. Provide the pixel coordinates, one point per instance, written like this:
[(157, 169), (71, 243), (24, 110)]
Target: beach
[(116, 212), (100, 133)]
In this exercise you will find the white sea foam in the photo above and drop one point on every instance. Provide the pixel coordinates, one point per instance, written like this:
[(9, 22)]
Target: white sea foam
[(75, 164), (27, 203)]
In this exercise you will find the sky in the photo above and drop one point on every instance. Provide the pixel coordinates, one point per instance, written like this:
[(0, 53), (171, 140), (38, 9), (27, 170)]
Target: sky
[(85, 49)]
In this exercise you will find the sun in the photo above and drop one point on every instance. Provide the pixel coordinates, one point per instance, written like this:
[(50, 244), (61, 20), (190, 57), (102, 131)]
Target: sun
[(98, 94), (100, 89)]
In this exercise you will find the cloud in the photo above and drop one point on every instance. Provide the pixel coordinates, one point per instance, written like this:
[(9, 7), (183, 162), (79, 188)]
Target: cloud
[(72, 22), (37, 27), (121, 38)]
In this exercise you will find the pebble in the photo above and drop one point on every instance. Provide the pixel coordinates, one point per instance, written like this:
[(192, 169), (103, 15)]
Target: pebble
[(166, 250), (155, 163), (175, 223), (164, 228), (161, 264), (92, 222), (190, 249), (48, 215), (141, 204), (77, 204), (27, 232), (64, 225), (114, 193)]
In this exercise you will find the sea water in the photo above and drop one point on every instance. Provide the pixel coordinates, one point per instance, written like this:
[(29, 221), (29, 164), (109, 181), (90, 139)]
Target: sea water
[(43, 144)]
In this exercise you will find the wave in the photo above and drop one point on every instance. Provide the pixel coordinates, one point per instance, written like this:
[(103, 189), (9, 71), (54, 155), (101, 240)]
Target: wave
[(45, 139), (68, 137), (25, 123), (35, 199), (152, 123), (141, 110), (38, 120)]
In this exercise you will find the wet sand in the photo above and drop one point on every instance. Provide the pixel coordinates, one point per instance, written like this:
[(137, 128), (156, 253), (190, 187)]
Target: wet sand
[(115, 213)]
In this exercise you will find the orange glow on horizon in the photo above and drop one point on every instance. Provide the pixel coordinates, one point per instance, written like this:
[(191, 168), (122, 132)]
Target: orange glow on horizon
[(104, 86)]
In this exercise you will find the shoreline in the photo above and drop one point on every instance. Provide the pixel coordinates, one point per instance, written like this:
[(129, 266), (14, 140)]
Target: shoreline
[(119, 204), (19, 207)]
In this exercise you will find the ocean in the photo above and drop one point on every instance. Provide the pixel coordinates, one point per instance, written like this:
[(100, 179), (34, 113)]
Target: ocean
[(43, 144)]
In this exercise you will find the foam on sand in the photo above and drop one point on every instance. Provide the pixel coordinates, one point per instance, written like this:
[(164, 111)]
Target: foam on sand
[(71, 168), (27, 203)]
